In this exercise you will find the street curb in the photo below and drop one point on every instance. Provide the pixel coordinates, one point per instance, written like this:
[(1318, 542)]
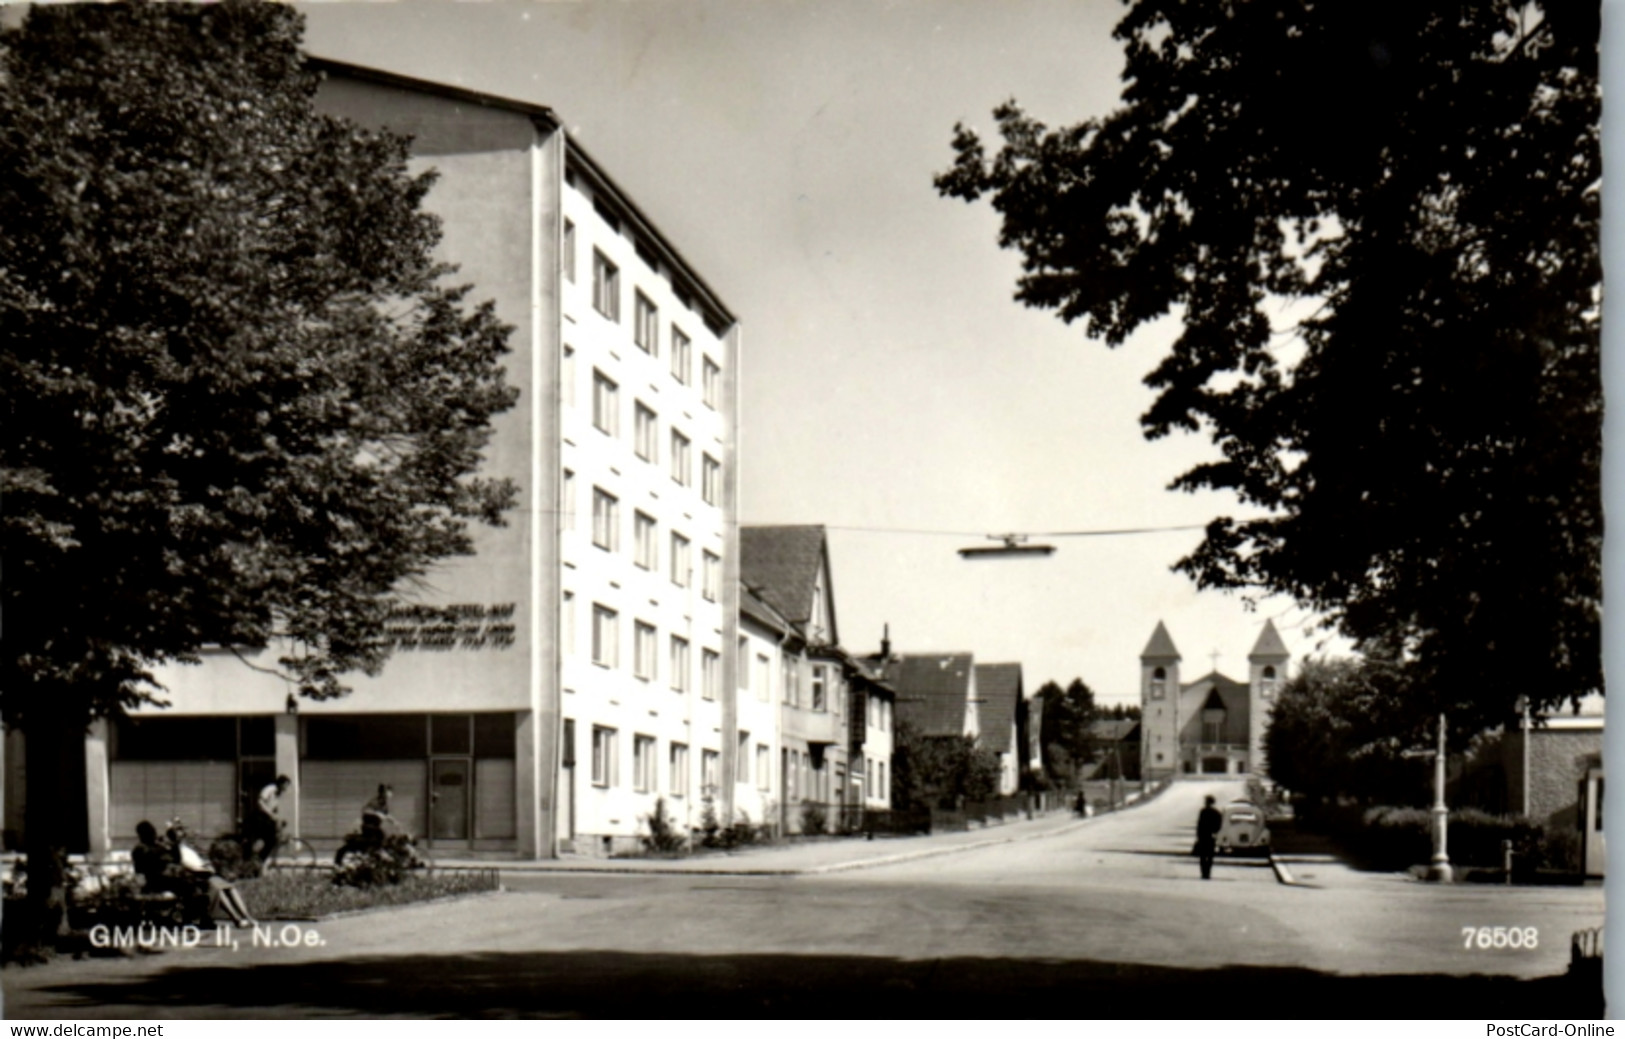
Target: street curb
[(1282, 874), (835, 867), (926, 853), (803, 871)]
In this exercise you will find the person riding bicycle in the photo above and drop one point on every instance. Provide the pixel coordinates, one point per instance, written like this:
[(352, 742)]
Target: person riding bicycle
[(375, 818), (264, 826), (376, 825)]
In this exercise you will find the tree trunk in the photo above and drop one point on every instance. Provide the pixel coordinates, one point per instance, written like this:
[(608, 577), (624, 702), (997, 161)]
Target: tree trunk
[(54, 798)]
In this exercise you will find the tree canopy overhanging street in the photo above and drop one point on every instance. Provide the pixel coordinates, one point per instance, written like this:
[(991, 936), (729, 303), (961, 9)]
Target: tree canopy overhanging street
[(245, 404), (1379, 226)]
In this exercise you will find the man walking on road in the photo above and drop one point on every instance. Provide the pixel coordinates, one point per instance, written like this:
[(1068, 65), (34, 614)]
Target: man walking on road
[(1207, 830)]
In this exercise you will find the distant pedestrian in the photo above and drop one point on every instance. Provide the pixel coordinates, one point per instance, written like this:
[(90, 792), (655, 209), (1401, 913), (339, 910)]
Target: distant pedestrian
[(1207, 832)]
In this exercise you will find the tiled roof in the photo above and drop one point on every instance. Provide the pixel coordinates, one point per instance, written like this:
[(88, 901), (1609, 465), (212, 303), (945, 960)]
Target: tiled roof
[(933, 691), (870, 669), (780, 565), (998, 686), (1161, 646), (753, 607), (1269, 644), (1111, 728), (1232, 692)]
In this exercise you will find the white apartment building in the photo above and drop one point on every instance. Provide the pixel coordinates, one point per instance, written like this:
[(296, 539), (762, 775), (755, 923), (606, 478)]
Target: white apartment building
[(548, 690), (647, 460)]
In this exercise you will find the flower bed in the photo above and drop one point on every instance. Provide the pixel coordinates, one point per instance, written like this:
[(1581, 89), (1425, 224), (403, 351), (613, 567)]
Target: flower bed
[(309, 894)]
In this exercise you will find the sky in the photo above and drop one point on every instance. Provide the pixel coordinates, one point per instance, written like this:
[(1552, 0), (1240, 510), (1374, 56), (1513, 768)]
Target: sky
[(892, 390)]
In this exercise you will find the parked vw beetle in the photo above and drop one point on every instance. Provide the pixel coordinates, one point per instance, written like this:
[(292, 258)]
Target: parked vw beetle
[(1244, 829)]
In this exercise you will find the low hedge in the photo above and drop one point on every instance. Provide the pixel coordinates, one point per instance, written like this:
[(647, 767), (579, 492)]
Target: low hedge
[(1393, 838)]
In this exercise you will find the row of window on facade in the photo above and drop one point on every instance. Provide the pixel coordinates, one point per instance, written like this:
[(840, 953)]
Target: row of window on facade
[(802, 777), (606, 418), (606, 762), (645, 779), (755, 677), (606, 300), (606, 650), (606, 534)]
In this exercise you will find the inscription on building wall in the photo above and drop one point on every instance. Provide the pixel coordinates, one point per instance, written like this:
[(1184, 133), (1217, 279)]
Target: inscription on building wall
[(458, 626)]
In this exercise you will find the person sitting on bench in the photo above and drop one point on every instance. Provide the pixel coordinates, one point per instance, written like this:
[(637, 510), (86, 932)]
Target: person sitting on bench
[(199, 876)]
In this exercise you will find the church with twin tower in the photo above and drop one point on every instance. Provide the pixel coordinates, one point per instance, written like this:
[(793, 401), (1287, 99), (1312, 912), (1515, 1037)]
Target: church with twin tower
[(1213, 725)]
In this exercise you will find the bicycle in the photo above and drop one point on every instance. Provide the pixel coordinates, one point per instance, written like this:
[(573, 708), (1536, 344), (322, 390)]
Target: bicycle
[(234, 857), (390, 840)]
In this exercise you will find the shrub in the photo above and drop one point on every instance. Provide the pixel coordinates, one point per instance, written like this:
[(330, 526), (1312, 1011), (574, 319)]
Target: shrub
[(1390, 837), (307, 894), (1558, 850), (742, 832), (711, 832), (813, 819), (1476, 836), (664, 836)]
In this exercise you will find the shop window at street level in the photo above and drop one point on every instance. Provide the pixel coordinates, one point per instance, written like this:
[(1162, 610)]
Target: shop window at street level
[(371, 737), (451, 734), (494, 735)]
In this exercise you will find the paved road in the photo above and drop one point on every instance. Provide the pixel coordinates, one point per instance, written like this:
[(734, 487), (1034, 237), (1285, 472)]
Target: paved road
[(1105, 919)]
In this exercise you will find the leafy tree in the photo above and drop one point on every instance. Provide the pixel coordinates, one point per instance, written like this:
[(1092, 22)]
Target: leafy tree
[(1067, 741), (243, 406), (1340, 727), (940, 771), (1378, 226)]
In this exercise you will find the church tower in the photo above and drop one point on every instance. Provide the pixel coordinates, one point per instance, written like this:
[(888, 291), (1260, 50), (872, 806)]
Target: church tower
[(1266, 673), (1159, 706)]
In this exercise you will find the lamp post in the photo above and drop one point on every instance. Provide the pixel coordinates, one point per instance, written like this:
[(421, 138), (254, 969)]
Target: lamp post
[(1439, 869), (1439, 866)]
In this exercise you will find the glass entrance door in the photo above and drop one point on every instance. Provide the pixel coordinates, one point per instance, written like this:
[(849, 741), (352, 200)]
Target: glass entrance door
[(449, 792)]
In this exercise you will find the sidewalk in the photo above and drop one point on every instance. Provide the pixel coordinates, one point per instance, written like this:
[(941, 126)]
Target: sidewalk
[(823, 855)]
